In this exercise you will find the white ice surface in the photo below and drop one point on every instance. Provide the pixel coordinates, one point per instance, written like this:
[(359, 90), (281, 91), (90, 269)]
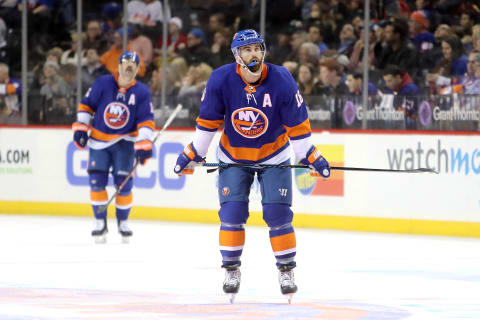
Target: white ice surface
[(51, 269)]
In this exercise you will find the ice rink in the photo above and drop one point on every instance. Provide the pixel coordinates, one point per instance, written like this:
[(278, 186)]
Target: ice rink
[(51, 269)]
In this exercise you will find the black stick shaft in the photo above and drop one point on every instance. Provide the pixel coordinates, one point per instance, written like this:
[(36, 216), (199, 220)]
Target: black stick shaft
[(130, 174), (215, 166)]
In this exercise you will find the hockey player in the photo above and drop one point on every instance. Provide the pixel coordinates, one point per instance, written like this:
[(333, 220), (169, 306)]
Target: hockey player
[(118, 112), (263, 113)]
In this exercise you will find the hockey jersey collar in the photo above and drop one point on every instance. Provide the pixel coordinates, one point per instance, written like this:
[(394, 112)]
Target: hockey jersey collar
[(250, 87), (127, 87)]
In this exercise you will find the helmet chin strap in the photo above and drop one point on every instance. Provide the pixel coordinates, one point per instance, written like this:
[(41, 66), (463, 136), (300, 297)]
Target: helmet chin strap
[(247, 67)]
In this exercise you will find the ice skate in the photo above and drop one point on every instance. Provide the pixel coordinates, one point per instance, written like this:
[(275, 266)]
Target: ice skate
[(231, 284), (286, 279), (99, 234), (124, 230)]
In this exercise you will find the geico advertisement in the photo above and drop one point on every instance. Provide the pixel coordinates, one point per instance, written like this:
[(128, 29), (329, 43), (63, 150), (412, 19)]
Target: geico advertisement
[(44, 165)]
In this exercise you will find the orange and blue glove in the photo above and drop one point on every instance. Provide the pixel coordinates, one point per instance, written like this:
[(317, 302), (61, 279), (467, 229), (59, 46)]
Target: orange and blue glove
[(314, 160), (80, 134), (143, 151), (187, 160)]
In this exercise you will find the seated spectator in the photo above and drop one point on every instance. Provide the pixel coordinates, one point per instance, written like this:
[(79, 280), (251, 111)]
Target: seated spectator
[(279, 51), (71, 55), (68, 72), (179, 70), (306, 79), (296, 40), (176, 40), (141, 44), (171, 90), (92, 69), (148, 13), (347, 40), (466, 84), (196, 50), (216, 22), (319, 15), (467, 21), (429, 59), (331, 76), (10, 96), (454, 62), (55, 92), (221, 52), (397, 50), (309, 53), (95, 38), (355, 63), (112, 20), (316, 35), (193, 85), (355, 85), (400, 84), (421, 37), (109, 59)]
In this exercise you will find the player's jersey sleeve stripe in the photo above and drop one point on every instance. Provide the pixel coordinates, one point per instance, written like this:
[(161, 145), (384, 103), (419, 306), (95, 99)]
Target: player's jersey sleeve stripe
[(253, 154), (149, 123), (299, 131), (101, 136), (84, 108), (209, 124)]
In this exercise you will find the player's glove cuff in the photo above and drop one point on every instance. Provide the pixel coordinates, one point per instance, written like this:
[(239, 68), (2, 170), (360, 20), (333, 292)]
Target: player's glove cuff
[(314, 160), (80, 134), (143, 150), (187, 160)]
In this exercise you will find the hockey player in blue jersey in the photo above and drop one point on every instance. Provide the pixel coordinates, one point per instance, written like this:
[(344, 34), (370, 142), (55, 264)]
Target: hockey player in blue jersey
[(118, 113), (263, 113)]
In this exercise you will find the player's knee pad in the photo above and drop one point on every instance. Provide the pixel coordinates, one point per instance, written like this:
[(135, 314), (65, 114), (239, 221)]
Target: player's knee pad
[(118, 180), (277, 214), (234, 212), (98, 180)]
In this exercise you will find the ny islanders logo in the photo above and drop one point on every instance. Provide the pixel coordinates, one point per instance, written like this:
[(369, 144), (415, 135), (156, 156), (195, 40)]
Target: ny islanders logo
[(249, 122), (116, 115)]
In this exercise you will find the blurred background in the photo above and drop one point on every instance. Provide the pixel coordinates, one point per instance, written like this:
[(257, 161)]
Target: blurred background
[(418, 59)]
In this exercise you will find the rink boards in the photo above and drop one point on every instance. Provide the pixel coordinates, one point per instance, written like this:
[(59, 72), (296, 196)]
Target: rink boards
[(41, 172)]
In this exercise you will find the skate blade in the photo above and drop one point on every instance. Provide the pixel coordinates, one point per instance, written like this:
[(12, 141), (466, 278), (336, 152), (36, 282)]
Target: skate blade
[(126, 239), (289, 297), (231, 297), (100, 239)]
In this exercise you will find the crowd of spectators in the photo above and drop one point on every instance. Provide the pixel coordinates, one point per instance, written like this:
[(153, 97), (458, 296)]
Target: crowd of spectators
[(429, 47)]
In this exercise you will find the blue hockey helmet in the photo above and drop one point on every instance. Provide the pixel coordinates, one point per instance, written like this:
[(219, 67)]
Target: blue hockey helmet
[(246, 37), (129, 56)]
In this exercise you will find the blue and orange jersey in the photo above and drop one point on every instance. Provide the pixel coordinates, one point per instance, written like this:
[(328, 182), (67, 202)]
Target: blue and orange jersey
[(117, 112), (259, 119)]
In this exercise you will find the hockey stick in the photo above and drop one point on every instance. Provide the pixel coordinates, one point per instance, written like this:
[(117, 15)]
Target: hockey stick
[(302, 166), (130, 174)]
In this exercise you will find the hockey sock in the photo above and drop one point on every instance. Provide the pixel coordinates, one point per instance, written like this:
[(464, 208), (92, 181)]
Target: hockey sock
[(98, 199), (123, 204), (232, 240), (283, 241)]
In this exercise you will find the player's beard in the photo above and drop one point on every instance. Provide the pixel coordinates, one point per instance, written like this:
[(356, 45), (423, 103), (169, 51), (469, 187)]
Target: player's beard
[(256, 67), (127, 73)]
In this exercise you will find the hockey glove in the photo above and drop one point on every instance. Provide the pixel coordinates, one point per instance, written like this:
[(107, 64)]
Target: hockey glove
[(143, 151), (187, 160), (314, 160), (80, 134)]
